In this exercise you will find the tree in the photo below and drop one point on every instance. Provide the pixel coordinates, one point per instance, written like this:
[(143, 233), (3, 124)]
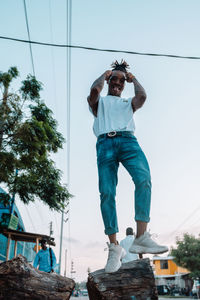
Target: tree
[(28, 135), (187, 254)]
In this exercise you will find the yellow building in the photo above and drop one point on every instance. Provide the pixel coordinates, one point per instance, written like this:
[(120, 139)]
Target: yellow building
[(166, 266), (169, 274)]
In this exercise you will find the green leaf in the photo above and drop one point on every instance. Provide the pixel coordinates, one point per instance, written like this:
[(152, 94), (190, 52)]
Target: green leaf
[(28, 135)]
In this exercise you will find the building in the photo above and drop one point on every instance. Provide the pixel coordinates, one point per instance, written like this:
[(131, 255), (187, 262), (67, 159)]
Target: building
[(14, 239), (167, 273), (26, 249)]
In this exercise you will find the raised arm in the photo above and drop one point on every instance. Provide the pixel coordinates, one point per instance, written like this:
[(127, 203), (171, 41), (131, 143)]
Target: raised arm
[(96, 89), (140, 94)]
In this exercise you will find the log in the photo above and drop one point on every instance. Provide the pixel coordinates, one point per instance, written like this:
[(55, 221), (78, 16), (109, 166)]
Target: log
[(134, 280), (19, 280)]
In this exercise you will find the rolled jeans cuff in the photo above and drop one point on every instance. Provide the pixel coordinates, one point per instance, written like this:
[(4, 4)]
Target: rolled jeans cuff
[(142, 219), (110, 231)]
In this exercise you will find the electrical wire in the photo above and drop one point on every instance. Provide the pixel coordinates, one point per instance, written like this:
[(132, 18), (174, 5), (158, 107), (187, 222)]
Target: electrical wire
[(29, 41), (68, 62), (52, 52), (194, 223), (182, 223), (54, 79), (99, 49), (68, 94)]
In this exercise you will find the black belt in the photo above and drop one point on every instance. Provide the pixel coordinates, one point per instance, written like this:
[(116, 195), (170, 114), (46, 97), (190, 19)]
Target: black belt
[(116, 133)]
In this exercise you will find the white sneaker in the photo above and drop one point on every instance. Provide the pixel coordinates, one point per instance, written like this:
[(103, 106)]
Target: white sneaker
[(115, 254), (144, 244)]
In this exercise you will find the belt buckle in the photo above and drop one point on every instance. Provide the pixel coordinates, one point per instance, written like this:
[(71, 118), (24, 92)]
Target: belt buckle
[(112, 133)]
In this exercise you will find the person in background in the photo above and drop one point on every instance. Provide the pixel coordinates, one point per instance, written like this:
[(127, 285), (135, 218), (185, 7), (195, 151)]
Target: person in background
[(45, 258), (126, 244)]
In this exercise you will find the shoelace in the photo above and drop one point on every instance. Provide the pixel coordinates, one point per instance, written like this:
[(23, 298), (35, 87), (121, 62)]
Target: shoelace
[(153, 236), (107, 248)]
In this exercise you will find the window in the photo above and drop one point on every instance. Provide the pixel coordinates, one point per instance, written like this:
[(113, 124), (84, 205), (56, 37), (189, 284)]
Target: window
[(164, 264)]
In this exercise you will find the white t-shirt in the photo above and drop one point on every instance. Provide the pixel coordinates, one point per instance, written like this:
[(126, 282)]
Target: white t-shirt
[(126, 244), (114, 114)]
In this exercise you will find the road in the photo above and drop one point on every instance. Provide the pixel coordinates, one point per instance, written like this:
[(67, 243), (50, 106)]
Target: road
[(86, 298)]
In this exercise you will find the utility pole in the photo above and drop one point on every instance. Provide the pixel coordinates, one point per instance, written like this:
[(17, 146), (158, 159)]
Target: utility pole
[(68, 68), (61, 239), (51, 228), (65, 272), (61, 236), (72, 269)]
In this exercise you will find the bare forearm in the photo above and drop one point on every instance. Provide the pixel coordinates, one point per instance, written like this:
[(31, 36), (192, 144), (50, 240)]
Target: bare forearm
[(98, 84), (139, 90), (96, 89), (140, 95)]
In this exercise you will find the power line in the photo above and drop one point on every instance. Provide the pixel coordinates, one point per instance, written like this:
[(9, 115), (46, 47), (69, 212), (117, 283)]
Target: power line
[(29, 41), (99, 49), (52, 52), (68, 94), (68, 65), (186, 219), (182, 223), (54, 78)]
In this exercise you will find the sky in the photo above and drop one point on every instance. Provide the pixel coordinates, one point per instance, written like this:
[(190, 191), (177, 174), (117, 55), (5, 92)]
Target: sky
[(167, 126)]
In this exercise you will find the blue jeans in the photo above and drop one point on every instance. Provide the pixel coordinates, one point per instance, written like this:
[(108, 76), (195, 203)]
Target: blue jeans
[(110, 152)]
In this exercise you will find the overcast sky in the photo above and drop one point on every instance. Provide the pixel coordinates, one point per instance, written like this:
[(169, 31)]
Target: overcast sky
[(167, 127)]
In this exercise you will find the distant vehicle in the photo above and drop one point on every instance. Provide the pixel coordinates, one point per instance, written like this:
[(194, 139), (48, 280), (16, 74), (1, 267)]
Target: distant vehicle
[(163, 290), (75, 293), (84, 293), (175, 291)]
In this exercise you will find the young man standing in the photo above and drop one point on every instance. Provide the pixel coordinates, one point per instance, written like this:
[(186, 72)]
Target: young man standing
[(114, 127)]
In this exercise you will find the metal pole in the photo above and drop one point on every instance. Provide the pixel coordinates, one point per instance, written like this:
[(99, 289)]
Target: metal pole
[(69, 16), (8, 247), (65, 263), (61, 239), (15, 249), (37, 245)]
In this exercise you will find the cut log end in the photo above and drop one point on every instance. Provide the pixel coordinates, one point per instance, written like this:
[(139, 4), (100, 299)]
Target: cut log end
[(133, 281), (19, 280)]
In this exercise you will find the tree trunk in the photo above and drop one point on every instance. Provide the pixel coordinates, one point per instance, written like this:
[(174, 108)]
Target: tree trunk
[(2, 117), (19, 280), (134, 280)]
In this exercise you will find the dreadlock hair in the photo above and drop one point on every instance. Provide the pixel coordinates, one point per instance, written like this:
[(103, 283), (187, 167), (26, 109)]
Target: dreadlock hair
[(123, 66)]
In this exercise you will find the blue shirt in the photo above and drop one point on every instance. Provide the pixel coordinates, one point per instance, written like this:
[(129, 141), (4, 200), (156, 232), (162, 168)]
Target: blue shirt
[(43, 259)]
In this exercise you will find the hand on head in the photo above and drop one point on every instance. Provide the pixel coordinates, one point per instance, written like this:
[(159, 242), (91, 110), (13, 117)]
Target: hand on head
[(129, 77), (108, 74)]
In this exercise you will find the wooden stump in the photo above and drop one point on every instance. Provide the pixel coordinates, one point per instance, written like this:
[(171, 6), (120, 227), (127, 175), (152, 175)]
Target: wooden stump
[(134, 280), (19, 280)]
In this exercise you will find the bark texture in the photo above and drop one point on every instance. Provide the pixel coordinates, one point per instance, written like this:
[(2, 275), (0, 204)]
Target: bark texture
[(133, 281), (19, 280)]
